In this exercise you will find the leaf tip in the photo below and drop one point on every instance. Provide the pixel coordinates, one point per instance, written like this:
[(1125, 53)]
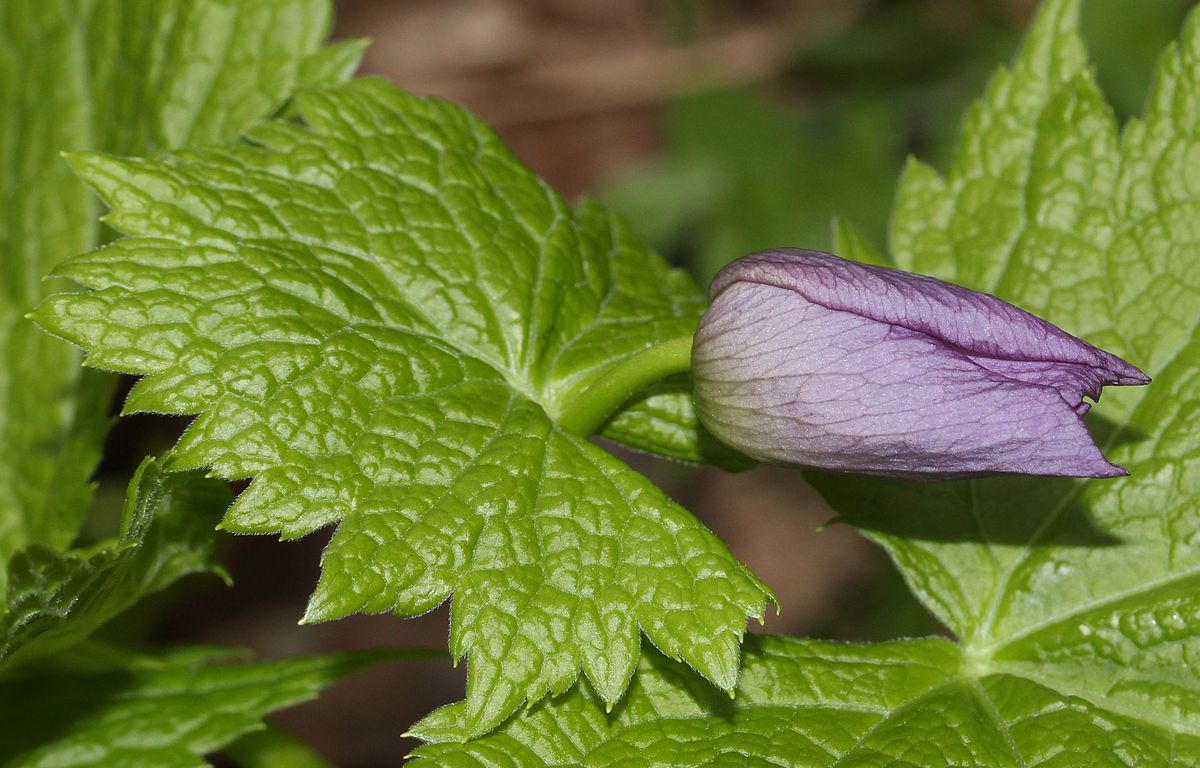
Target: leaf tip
[(313, 614), (222, 573), (80, 161), (323, 606)]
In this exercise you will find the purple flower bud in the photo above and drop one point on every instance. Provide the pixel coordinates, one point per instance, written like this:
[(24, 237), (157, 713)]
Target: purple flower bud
[(805, 358)]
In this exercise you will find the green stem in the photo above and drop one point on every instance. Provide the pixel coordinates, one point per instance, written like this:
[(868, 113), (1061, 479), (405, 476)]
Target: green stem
[(586, 411), (273, 748)]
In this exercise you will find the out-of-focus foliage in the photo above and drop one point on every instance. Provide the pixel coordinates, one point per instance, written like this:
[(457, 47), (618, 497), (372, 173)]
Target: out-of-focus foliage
[(163, 711), (118, 76), (750, 169), (133, 76)]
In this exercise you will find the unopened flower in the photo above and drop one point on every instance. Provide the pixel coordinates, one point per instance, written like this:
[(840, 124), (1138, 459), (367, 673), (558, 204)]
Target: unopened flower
[(805, 358)]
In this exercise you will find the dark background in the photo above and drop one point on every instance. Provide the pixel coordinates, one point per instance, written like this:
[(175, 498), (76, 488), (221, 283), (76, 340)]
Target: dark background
[(717, 128)]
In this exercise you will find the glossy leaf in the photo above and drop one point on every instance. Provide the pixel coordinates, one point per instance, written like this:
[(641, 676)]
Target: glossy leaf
[(1086, 589), (381, 315)]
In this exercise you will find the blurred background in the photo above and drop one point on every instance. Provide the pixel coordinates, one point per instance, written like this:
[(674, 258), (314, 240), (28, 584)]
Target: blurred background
[(717, 127)]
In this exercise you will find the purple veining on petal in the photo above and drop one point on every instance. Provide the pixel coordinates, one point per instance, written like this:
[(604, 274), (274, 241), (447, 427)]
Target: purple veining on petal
[(977, 323), (1073, 381), (805, 358)]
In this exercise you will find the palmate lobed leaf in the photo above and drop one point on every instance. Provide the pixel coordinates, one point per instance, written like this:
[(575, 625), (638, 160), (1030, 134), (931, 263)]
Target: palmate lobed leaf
[(1074, 603), (379, 315), (1088, 589), (121, 76), (165, 711), (805, 703)]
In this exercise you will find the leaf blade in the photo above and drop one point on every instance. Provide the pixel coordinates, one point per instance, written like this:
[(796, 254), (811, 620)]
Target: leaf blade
[(803, 703), (1073, 585), (379, 315)]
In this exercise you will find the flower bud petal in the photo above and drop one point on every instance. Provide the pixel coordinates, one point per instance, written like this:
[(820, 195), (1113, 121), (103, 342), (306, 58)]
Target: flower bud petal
[(805, 358)]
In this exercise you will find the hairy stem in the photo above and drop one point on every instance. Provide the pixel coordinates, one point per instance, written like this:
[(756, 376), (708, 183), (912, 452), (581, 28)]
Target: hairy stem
[(587, 410)]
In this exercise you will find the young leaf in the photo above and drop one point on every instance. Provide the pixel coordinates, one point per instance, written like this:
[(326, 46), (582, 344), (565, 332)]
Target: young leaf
[(57, 599), (1081, 591), (158, 712), (383, 317), (120, 76), (802, 703)]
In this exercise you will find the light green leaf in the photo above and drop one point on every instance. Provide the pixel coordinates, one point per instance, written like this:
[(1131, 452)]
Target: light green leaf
[(57, 599), (904, 704), (1087, 591), (381, 315), (120, 76), (332, 65), (160, 712)]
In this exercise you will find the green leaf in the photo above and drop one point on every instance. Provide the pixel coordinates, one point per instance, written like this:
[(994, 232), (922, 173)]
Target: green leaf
[(381, 315), (120, 76), (273, 747), (57, 599), (802, 703), (160, 712), (332, 65), (1085, 591), (1125, 40), (644, 299), (849, 242)]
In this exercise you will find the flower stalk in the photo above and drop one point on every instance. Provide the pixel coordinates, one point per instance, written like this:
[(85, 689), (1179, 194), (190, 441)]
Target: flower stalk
[(586, 411)]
